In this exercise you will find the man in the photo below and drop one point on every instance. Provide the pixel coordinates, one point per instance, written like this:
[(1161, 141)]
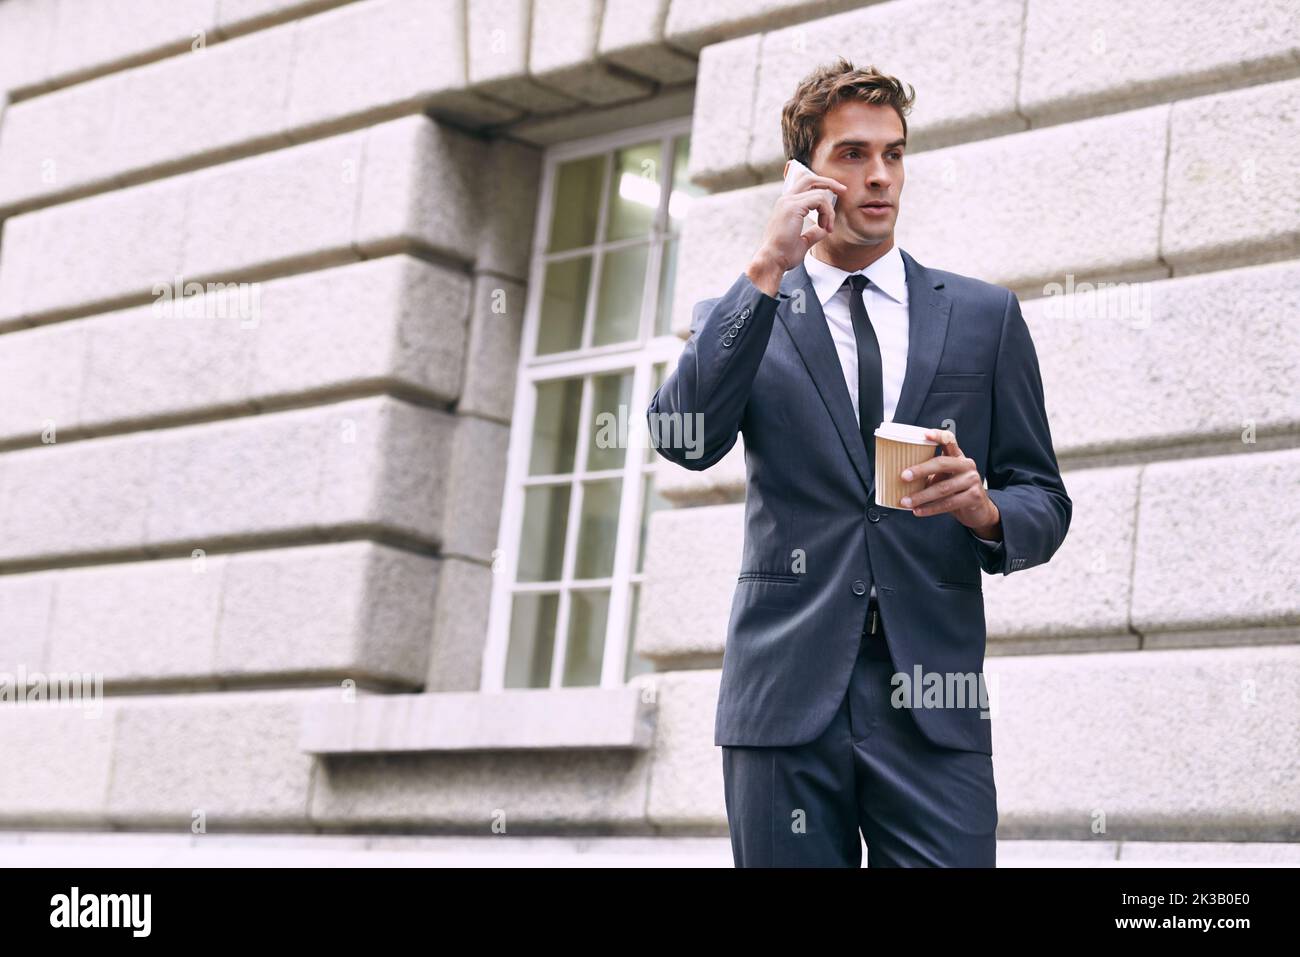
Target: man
[(840, 603)]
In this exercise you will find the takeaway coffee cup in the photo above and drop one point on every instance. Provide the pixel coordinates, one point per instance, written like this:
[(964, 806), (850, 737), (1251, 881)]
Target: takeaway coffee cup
[(898, 447)]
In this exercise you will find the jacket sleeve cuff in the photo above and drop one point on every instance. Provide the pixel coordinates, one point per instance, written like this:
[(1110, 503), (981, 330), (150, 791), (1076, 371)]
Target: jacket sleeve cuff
[(992, 555)]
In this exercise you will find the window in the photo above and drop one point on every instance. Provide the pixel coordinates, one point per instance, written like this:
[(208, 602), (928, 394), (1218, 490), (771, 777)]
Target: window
[(596, 343)]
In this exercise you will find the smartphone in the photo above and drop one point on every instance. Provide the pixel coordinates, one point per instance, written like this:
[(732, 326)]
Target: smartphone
[(793, 169)]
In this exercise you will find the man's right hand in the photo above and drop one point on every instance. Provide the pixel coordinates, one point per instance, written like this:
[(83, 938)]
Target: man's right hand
[(784, 241)]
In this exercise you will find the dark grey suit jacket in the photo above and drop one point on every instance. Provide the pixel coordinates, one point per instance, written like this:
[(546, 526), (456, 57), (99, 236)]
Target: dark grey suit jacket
[(815, 542)]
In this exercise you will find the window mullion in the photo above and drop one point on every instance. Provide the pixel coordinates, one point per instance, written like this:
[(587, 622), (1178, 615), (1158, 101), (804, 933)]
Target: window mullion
[(614, 660), (571, 533)]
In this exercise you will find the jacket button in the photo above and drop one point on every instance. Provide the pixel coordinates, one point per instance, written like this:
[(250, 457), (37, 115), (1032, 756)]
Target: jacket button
[(859, 587), (744, 313), (873, 515), (726, 342), (739, 322)]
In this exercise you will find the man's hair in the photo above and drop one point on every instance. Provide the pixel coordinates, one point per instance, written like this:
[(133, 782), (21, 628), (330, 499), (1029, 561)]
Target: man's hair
[(827, 86)]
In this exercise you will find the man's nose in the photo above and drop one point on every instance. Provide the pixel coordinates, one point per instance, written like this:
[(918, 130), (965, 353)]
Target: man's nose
[(878, 176)]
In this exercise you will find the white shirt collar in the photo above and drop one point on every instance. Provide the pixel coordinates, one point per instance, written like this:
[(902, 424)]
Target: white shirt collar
[(887, 273)]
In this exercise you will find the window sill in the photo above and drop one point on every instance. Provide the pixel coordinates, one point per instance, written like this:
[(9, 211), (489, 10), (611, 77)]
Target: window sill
[(525, 719)]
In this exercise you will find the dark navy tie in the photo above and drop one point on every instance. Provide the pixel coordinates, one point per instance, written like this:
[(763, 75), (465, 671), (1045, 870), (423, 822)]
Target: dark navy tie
[(871, 388)]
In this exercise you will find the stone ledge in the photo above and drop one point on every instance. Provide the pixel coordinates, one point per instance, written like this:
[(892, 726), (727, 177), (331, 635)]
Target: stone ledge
[(1145, 746), (542, 719), (152, 849)]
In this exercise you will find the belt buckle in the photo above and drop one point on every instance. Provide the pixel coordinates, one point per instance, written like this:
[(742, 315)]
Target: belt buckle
[(873, 620)]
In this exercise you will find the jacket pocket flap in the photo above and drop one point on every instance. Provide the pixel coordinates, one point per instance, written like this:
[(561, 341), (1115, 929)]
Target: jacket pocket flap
[(959, 382)]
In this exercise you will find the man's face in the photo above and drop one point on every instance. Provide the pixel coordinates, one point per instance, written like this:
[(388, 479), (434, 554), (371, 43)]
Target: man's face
[(861, 145)]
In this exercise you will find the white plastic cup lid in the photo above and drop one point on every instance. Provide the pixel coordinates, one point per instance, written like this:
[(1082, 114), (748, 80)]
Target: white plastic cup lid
[(898, 432)]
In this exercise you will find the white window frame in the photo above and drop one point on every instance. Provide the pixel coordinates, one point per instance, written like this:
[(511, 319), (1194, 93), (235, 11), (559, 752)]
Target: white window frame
[(639, 356)]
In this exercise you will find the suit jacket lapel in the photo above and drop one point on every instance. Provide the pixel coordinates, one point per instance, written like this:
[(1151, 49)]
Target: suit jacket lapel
[(800, 311), (928, 309)]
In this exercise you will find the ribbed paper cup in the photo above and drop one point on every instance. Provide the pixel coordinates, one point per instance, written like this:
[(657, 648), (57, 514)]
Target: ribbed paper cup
[(898, 447)]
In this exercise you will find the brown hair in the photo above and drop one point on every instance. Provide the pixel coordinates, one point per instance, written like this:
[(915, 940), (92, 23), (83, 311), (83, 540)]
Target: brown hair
[(824, 88)]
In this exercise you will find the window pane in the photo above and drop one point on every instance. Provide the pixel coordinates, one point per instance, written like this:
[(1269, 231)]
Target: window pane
[(667, 280), (555, 427), (586, 648), (684, 191), (634, 191), (598, 528), (635, 664), (564, 304), (651, 502), (577, 203), (532, 641), (610, 412), (541, 546), (622, 287)]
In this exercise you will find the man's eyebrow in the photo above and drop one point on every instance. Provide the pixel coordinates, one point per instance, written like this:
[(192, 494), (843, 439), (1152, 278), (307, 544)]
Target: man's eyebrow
[(889, 146)]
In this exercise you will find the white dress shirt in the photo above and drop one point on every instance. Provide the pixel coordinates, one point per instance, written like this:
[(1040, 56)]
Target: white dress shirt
[(886, 300), (885, 297)]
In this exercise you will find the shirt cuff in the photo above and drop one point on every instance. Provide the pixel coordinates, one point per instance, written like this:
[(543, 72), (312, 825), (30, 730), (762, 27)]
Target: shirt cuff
[(992, 555)]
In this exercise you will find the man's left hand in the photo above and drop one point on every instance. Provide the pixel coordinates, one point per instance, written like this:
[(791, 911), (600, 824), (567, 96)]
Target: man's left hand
[(953, 484)]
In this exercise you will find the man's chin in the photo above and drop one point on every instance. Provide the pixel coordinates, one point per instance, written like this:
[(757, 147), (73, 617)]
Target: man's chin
[(872, 237)]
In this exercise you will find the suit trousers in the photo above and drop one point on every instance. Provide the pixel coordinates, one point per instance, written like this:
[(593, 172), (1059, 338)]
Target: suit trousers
[(915, 803)]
